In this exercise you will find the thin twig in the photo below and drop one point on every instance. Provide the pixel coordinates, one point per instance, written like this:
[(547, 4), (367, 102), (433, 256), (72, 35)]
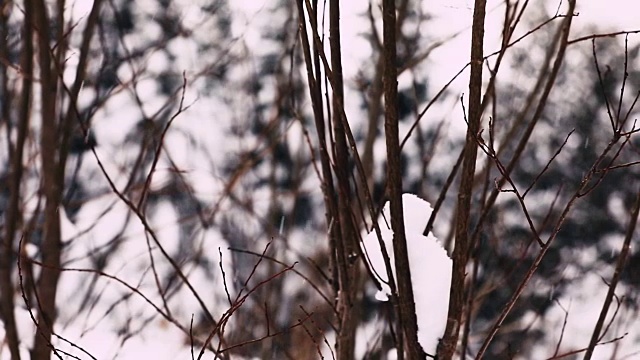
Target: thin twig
[(622, 260)]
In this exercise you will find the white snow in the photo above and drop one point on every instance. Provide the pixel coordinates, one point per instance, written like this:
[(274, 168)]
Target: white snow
[(429, 263)]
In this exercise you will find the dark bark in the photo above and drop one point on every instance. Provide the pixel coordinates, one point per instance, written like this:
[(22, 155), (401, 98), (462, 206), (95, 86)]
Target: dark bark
[(406, 306), (16, 154), (314, 83), (346, 244), (51, 188), (462, 245)]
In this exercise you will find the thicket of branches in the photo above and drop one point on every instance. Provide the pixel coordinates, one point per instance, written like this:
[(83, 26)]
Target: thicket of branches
[(166, 173)]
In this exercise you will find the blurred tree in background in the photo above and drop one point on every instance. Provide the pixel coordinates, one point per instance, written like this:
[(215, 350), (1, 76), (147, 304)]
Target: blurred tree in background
[(181, 178)]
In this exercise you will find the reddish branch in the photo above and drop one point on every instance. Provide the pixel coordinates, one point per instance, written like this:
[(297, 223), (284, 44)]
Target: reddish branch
[(237, 304)]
